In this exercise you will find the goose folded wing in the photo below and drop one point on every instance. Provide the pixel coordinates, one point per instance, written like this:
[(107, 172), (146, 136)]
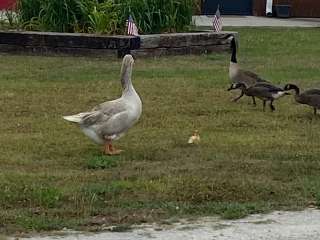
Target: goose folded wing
[(253, 75), (267, 85), (274, 89), (94, 117), (116, 124), (313, 100), (264, 91), (102, 118), (248, 78), (312, 92), (111, 108), (258, 91)]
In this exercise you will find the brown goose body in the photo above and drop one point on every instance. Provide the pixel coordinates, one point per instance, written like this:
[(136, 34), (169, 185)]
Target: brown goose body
[(309, 97), (238, 75), (264, 91)]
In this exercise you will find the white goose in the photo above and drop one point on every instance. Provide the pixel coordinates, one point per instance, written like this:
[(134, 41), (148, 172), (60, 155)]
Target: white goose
[(110, 120)]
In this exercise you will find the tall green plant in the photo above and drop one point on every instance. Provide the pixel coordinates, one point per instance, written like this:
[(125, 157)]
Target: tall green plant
[(55, 15), (154, 16), (105, 18), (28, 9), (64, 15)]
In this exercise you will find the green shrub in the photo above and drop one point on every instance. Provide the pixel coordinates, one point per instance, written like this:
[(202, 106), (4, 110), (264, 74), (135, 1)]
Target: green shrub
[(102, 162), (155, 16), (28, 9), (8, 19), (55, 15), (106, 16), (37, 195)]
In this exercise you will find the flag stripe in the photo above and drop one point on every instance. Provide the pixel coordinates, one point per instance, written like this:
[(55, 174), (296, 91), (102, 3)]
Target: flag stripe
[(131, 27), (217, 21)]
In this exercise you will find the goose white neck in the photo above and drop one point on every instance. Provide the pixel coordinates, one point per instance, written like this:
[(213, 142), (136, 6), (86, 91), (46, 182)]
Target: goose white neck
[(125, 75)]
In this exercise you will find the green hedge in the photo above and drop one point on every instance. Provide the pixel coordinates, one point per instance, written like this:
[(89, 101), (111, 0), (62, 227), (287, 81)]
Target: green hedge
[(107, 16)]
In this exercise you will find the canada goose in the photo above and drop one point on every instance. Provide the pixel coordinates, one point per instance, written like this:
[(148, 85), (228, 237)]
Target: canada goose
[(264, 91), (309, 97), (110, 120), (238, 75)]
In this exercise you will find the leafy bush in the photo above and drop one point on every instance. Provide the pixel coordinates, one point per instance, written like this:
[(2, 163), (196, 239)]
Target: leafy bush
[(8, 19), (102, 162), (55, 15), (28, 9), (105, 16), (155, 16)]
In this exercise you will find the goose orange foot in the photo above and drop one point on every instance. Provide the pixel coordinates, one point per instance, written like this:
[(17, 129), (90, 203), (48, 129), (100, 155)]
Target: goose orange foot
[(111, 150)]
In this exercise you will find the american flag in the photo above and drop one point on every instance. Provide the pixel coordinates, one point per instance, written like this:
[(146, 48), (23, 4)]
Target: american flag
[(217, 21), (131, 27)]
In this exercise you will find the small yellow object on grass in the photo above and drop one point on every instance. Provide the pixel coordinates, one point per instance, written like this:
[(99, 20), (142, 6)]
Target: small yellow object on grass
[(195, 138)]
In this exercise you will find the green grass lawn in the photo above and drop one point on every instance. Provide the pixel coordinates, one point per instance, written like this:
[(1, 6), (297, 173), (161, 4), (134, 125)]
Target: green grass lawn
[(249, 161)]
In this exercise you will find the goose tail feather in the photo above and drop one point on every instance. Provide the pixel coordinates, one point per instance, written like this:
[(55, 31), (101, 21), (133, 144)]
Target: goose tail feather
[(74, 118)]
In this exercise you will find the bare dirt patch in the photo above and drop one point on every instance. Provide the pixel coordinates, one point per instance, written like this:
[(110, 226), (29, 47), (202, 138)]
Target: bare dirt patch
[(280, 225)]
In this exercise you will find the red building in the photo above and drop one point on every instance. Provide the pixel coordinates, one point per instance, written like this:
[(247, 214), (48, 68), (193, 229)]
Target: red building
[(7, 4)]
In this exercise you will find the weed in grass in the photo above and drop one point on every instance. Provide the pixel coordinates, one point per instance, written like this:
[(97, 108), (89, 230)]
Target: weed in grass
[(29, 195), (47, 197), (107, 189), (234, 211), (42, 222), (102, 162)]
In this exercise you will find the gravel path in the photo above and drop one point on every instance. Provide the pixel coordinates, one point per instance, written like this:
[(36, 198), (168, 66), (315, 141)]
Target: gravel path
[(302, 225)]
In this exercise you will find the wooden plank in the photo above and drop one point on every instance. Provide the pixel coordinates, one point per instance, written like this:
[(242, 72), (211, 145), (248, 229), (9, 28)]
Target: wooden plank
[(37, 50), (185, 39), (69, 40), (99, 45), (157, 52)]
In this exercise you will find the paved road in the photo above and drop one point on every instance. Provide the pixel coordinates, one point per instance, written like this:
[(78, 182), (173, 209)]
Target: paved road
[(252, 21), (303, 225)]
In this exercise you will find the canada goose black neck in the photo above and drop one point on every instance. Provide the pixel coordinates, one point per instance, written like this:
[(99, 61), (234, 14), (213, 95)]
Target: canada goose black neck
[(234, 51), (294, 87)]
